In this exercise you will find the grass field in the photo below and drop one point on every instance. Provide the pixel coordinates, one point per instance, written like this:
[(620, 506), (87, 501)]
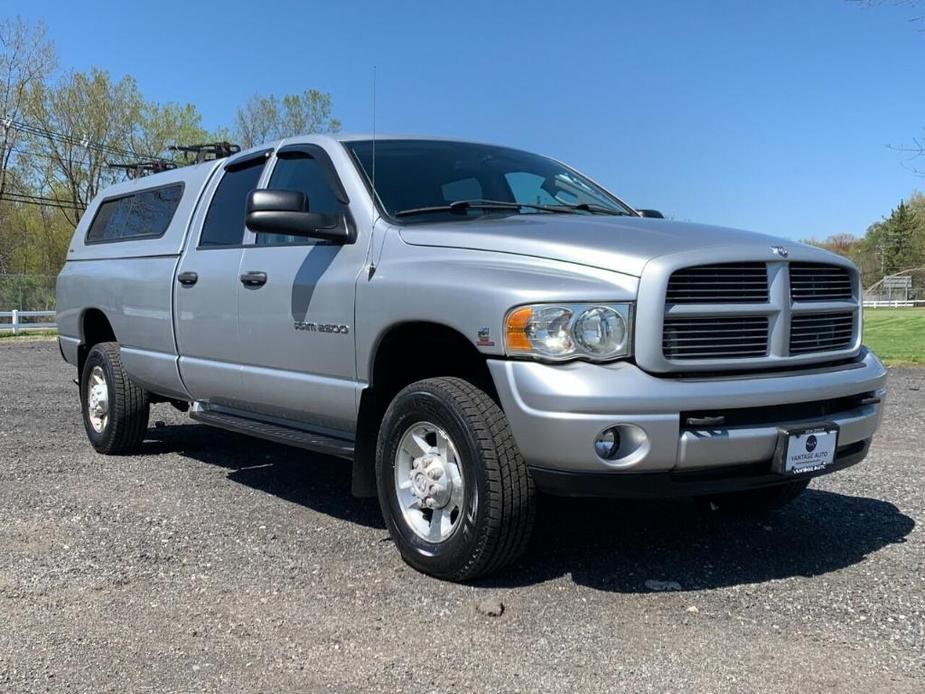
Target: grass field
[(897, 335)]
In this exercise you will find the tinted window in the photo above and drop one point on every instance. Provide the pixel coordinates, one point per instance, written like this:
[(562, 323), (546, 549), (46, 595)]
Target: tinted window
[(528, 188), (145, 214), (224, 225), (305, 174), (415, 174), (464, 189)]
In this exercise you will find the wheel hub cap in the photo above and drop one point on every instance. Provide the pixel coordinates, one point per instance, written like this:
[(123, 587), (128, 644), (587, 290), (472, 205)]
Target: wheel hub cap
[(98, 399), (429, 482)]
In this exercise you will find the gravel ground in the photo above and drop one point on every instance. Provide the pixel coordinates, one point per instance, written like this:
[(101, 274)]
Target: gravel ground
[(213, 562)]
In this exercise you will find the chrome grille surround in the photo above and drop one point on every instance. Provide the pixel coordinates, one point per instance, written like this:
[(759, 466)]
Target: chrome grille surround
[(657, 334)]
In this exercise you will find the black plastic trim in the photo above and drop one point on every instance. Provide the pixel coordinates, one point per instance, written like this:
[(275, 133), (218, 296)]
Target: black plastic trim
[(289, 436), (311, 151), (650, 485), (249, 159)]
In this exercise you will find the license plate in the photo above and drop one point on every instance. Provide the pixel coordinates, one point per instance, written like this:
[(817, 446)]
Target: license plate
[(806, 449)]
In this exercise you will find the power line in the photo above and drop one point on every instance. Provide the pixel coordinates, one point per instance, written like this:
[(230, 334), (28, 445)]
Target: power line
[(46, 155), (85, 143), (24, 199)]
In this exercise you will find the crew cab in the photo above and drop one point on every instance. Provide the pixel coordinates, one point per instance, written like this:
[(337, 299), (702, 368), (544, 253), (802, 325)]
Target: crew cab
[(468, 324)]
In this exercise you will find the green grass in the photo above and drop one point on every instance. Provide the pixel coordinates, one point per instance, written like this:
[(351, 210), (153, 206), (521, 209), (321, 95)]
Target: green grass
[(896, 335)]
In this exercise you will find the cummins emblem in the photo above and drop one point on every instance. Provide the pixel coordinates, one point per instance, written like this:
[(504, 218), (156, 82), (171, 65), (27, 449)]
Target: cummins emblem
[(780, 250)]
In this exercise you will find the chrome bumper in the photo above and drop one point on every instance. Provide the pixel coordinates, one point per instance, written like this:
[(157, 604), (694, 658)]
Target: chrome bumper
[(556, 411)]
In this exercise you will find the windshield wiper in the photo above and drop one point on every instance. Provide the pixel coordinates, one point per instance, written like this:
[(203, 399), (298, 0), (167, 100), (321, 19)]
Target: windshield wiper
[(596, 209), (460, 207)]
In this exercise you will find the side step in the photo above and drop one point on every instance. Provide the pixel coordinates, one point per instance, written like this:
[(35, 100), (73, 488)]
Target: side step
[(319, 443)]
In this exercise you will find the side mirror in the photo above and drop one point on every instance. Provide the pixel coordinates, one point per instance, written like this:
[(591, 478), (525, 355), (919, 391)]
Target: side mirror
[(286, 212), (654, 214)]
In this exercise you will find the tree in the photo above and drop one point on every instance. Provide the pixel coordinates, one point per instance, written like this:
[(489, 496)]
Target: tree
[(898, 239), (163, 125), (843, 244), (87, 122), (26, 59), (266, 118)]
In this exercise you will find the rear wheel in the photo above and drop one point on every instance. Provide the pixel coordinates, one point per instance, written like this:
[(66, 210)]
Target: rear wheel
[(757, 501), (455, 492), (115, 409)]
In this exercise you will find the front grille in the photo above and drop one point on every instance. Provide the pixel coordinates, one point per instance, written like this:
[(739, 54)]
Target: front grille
[(719, 284), (715, 337), (818, 282), (821, 332)]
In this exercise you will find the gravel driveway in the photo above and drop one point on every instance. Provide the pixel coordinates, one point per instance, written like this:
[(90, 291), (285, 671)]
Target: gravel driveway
[(213, 562)]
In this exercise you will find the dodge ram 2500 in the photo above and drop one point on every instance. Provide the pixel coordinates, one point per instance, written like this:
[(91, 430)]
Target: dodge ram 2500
[(468, 324)]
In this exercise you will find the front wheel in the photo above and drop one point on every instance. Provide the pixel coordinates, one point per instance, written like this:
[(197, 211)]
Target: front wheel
[(115, 408), (455, 492)]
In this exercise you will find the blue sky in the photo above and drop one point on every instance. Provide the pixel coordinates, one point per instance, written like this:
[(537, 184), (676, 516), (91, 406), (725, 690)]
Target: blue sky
[(772, 116)]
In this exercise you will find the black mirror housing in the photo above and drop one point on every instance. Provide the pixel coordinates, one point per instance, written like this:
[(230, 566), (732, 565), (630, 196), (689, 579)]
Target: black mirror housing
[(287, 212), (654, 214)]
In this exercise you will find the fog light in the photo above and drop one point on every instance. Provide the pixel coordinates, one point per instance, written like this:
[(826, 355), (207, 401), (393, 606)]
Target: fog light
[(607, 443)]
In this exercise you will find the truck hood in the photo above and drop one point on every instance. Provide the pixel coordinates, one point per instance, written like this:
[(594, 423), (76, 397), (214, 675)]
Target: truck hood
[(623, 244)]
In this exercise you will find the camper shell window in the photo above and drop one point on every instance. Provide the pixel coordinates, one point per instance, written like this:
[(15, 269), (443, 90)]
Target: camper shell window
[(142, 215)]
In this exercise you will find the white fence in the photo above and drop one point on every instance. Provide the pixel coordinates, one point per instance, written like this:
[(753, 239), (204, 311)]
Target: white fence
[(910, 303), (17, 325)]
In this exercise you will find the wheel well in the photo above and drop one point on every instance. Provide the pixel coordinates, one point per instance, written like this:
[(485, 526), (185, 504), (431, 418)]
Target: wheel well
[(94, 328), (407, 353), (413, 351)]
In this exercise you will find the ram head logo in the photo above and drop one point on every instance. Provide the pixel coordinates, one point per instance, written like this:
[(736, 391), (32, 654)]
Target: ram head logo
[(780, 250)]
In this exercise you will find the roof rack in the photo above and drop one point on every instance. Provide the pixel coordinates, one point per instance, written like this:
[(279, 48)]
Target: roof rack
[(138, 169), (208, 150)]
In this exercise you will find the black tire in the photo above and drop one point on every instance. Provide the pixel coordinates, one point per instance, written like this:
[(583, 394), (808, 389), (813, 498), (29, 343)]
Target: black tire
[(128, 410), (756, 501), (497, 509)]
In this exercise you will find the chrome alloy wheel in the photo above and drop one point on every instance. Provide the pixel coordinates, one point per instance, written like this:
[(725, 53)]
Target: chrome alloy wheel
[(429, 482), (98, 399)]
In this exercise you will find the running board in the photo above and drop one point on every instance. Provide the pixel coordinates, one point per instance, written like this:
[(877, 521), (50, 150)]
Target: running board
[(319, 443)]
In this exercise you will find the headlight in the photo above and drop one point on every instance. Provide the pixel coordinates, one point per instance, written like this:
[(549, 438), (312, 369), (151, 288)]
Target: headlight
[(599, 332)]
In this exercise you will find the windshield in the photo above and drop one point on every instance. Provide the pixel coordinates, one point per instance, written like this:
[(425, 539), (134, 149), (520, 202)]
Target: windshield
[(420, 180)]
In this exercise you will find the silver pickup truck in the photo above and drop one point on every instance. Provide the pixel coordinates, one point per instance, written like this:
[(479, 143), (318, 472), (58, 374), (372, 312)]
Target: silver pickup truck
[(468, 324)]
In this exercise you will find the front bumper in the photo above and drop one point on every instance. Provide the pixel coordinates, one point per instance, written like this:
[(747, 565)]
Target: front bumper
[(556, 412)]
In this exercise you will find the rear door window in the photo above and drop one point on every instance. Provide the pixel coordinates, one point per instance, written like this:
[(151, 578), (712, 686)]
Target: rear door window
[(142, 215), (224, 224)]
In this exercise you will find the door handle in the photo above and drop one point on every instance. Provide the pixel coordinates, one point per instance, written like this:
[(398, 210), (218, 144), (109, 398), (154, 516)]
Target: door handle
[(253, 279), (187, 279)]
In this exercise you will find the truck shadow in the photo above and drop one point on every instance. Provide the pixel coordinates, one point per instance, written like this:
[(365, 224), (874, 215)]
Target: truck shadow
[(613, 545), (318, 482), (648, 546)]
